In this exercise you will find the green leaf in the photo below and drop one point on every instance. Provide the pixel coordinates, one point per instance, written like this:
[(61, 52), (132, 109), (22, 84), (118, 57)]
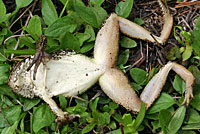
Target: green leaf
[(140, 116), (138, 21), (101, 118), (11, 129), (96, 2), (61, 27), (34, 27), (126, 119), (136, 86), (63, 101), (152, 73), (93, 15), (196, 42), (197, 25), (70, 41), (173, 53), (88, 128), (187, 53), (163, 102), (22, 123), (27, 41), (186, 132), (4, 69), (82, 37), (138, 75), (30, 103), (87, 47), (93, 104), (82, 102), (176, 37), (2, 8), (49, 12), (195, 102), (164, 119), (194, 117), (113, 105), (177, 120), (123, 57), (23, 3), (117, 117), (11, 114), (155, 125), (191, 126), (112, 125), (179, 84), (42, 117), (4, 17), (196, 72), (22, 52), (127, 42), (5, 90), (124, 8), (89, 30)]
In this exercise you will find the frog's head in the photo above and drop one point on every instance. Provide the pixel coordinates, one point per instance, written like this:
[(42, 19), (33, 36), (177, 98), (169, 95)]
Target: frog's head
[(20, 79)]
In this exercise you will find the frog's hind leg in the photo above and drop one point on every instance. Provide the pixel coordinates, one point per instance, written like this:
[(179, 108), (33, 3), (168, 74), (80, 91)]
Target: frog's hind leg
[(134, 30), (155, 85), (116, 85), (106, 44)]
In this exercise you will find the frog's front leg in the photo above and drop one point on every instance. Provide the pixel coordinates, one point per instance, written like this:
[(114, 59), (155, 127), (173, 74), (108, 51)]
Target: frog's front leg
[(41, 91), (40, 55)]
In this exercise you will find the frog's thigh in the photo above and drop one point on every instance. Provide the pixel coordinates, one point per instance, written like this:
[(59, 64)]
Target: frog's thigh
[(116, 85), (106, 44), (71, 75)]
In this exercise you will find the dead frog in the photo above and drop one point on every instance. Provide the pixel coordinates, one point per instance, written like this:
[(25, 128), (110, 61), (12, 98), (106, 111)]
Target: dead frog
[(70, 74)]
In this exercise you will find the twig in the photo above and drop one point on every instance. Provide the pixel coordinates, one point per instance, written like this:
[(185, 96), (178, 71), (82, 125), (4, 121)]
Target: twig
[(142, 56), (20, 16), (76, 97), (183, 4), (188, 11), (17, 44), (186, 24), (13, 36), (99, 92), (147, 59), (121, 127), (22, 105)]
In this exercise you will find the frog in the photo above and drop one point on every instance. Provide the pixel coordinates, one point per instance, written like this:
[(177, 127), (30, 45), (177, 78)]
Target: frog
[(69, 73)]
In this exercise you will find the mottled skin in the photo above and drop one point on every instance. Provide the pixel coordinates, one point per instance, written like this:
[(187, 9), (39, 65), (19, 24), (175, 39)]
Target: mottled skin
[(70, 74)]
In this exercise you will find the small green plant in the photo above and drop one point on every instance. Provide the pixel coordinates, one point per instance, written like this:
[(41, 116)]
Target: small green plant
[(76, 30)]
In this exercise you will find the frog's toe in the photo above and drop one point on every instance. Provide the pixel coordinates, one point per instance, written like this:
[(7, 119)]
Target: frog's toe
[(188, 97), (67, 118)]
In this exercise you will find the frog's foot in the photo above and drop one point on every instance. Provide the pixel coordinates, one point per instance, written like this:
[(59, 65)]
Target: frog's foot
[(40, 55), (155, 85), (67, 118), (189, 80), (133, 30)]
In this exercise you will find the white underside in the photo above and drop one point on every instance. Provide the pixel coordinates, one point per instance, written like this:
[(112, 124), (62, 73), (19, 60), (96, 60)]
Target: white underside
[(69, 76)]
